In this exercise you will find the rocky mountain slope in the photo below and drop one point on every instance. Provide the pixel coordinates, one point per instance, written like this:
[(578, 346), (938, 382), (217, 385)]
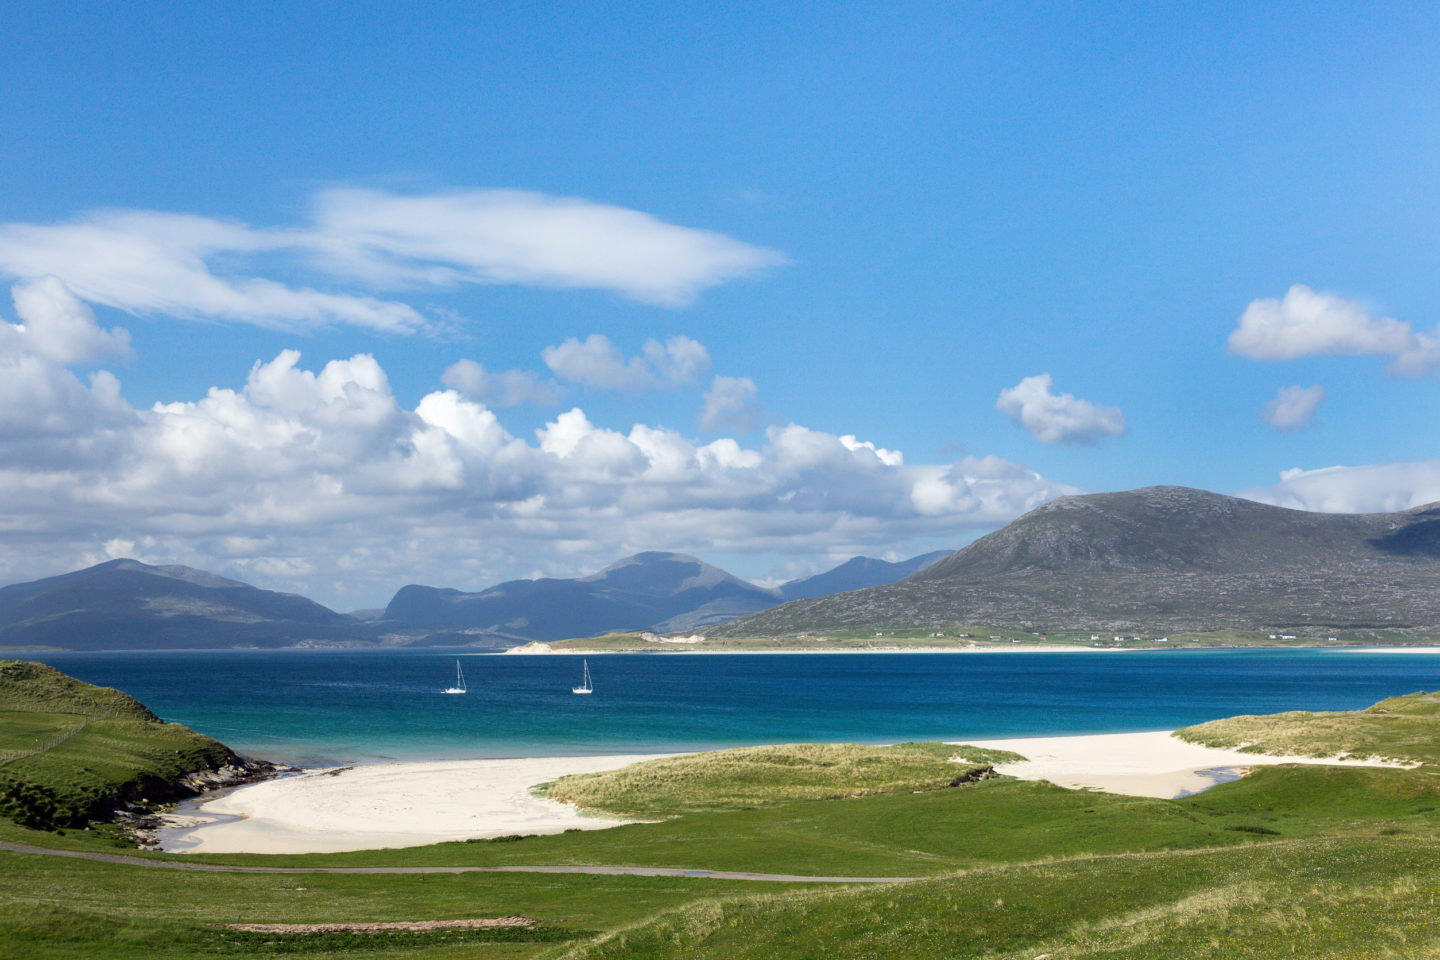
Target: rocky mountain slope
[(1161, 558)]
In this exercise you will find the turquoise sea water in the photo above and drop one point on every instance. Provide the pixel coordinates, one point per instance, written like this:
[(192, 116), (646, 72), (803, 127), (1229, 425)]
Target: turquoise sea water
[(315, 707)]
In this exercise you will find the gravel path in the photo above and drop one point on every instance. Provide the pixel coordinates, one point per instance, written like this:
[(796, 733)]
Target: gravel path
[(599, 869)]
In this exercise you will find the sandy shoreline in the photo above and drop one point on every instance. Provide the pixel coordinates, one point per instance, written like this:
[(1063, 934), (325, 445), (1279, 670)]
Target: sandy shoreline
[(390, 805), (1153, 764), (411, 804)]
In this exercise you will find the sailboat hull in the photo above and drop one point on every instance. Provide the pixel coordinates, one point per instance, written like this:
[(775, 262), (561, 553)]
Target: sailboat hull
[(460, 686)]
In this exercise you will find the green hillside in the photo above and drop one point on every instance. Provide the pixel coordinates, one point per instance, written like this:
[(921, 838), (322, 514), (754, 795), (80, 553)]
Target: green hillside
[(70, 750)]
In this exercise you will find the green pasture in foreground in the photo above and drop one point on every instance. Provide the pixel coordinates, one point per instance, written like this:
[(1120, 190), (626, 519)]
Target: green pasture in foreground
[(752, 776), (1338, 861), (1401, 728), (52, 908), (1292, 861), (1328, 898)]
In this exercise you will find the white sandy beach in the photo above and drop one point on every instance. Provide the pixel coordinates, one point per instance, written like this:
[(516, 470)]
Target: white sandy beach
[(392, 805), (1139, 764), (411, 804)]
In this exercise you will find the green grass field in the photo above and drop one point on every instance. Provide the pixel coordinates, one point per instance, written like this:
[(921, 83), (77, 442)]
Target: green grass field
[(1318, 862)]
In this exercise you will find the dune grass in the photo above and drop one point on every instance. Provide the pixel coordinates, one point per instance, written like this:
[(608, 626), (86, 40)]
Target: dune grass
[(1405, 728), (753, 776)]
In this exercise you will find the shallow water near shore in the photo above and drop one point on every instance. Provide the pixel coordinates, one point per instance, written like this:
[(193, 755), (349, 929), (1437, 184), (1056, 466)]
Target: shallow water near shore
[(331, 707)]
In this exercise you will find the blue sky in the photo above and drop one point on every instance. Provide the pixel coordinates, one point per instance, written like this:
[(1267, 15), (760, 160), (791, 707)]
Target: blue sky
[(917, 226)]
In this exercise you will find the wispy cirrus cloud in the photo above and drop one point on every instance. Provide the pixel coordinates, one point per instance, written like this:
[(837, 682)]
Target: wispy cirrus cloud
[(360, 248), (520, 237)]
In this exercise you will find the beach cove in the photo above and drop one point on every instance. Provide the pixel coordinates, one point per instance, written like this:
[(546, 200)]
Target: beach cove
[(412, 804)]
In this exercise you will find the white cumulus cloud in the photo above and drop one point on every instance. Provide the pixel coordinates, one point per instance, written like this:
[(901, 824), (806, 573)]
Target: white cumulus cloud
[(597, 362), (56, 325), (730, 404), (1307, 323), (317, 479), (1062, 418), (503, 388), (1293, 407)]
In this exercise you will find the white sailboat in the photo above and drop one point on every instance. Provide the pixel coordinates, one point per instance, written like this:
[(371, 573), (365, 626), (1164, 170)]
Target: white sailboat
[(585, 685), (459, 681)]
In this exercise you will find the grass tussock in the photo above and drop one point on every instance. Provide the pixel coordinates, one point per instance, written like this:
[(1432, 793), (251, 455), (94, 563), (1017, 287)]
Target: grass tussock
[(754, 776)]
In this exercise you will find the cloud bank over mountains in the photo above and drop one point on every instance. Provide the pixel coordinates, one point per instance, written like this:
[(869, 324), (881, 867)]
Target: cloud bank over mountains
[(1372, 488), (318, 479)]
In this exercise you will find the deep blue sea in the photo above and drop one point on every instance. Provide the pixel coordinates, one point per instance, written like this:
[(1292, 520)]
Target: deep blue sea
[(319, 707)]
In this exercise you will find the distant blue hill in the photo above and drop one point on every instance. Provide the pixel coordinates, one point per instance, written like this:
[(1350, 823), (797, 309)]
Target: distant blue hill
[(858, 573), (129, 605)]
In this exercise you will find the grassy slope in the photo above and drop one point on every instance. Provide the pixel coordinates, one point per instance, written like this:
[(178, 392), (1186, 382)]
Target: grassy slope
[(1321, 898), (753, 776), (52, 909), (1401, 728), (68, 748)]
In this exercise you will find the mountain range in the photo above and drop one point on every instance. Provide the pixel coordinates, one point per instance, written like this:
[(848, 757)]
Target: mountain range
[(126, 604), (664, 592), (129, 605), (1159, 558)]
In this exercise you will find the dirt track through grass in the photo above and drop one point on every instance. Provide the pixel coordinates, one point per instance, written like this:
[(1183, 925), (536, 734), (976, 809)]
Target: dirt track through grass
[(598, 869)]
